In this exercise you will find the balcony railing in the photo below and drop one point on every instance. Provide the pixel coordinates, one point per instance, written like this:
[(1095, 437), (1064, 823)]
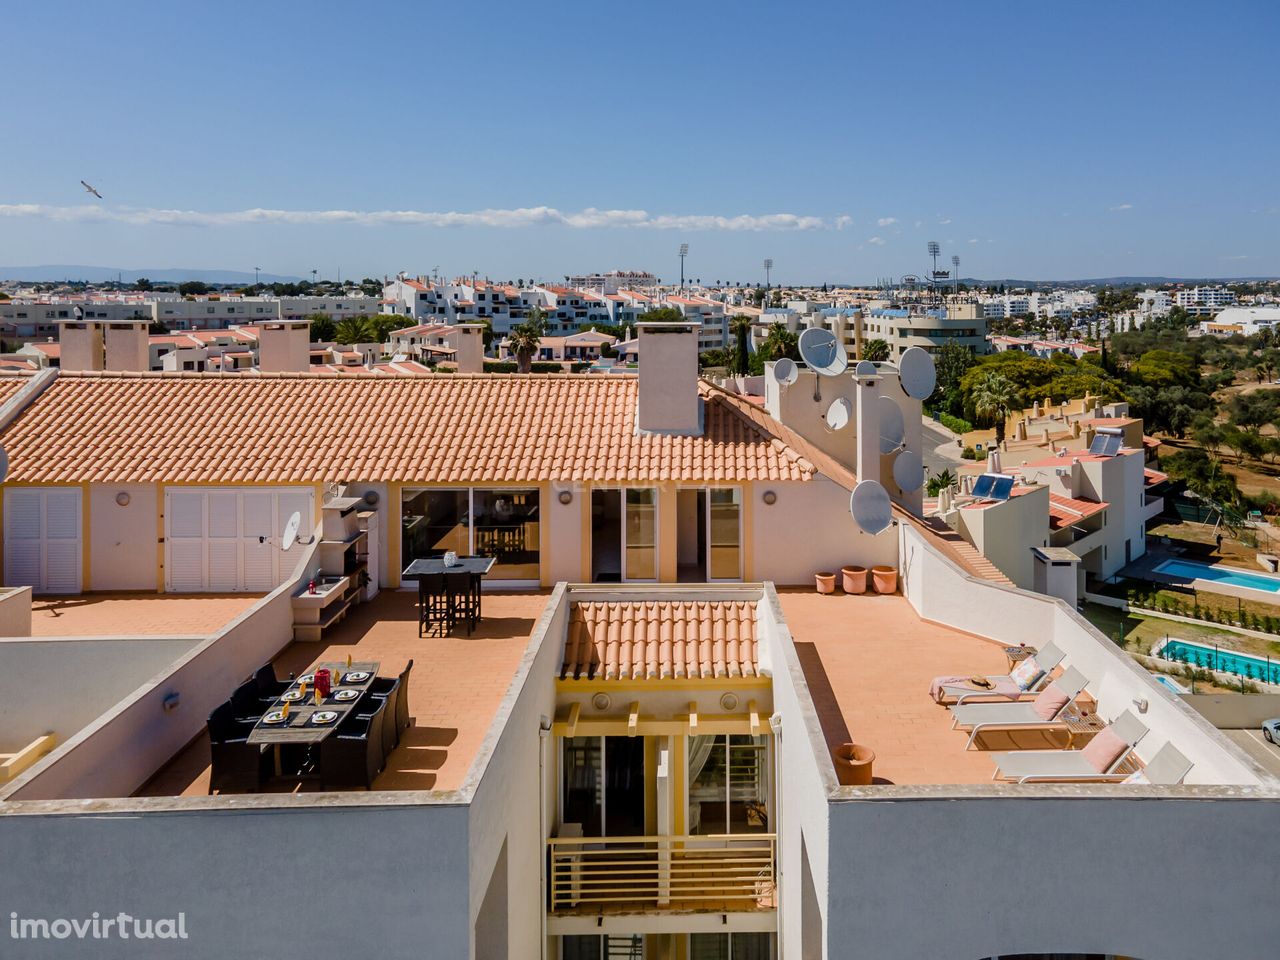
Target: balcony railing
[(714, 873)]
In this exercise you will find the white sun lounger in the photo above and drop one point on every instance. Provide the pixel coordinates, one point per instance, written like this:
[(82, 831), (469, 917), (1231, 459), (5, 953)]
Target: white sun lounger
[(1047, 657), (1020, 714), (1035, 766)]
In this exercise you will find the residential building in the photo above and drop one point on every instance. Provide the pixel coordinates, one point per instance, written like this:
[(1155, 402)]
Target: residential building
[(1204, 301), (1247, 321)]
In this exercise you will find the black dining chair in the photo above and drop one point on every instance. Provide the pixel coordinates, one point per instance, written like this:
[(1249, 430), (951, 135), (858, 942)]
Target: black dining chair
[(388, 695), (397, 707), (433, 603), (270, 688), (462, 599), (237, 765), (246, 703), (352, 756)]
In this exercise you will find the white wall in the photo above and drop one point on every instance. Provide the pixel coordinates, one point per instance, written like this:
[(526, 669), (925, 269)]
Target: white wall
[(809, 529), (15, 612), (561, 532), (60, 684), (969, 876), (123, 541)]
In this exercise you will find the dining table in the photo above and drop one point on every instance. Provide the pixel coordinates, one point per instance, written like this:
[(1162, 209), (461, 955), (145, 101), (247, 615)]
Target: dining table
[(309, 722), (477, 567)]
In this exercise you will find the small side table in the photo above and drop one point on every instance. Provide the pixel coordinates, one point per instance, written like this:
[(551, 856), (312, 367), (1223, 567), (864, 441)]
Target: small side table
[(1016, 655), (1080, 726)]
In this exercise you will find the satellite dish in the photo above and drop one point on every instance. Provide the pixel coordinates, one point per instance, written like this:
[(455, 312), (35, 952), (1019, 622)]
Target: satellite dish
[(871, 507), (291, 530), (865, 368), (892, 427), (822, 352), (908, 471), (785, 372), (918, 374), (4, 464), (839, 413)]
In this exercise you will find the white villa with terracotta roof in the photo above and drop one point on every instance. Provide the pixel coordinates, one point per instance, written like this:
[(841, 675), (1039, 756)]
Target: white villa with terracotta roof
[(650, 737)]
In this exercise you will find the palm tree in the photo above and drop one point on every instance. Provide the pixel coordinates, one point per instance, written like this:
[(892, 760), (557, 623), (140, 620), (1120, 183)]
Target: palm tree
[(525, 338), (996, 397), (939, 482), (354, 330), (877, 351), (780, 343)]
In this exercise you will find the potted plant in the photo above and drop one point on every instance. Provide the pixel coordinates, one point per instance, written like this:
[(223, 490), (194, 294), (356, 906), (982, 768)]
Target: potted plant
[(825, 582), (885, 579), (854, 762), (853, 579)]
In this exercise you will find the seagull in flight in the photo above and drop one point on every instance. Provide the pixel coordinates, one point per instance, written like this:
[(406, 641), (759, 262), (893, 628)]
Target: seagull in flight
[(91, 190)]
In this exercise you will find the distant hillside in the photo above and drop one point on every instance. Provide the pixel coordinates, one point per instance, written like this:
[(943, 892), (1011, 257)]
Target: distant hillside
[(58, 272)]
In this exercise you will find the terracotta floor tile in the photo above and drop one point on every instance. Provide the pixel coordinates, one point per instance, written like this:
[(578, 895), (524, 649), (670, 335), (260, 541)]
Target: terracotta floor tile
[(131, 614)]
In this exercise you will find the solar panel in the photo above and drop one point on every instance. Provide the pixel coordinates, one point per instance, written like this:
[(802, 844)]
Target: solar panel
[(982, 486), (1001, 487), (1106, 445)]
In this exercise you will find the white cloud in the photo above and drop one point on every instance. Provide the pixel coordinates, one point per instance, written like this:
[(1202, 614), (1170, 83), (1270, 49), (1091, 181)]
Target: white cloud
[(886, 221), (844, 220), (974, 240), (878, 241), (587, 218), (1238, 256), (943, 221), (1121, 206)]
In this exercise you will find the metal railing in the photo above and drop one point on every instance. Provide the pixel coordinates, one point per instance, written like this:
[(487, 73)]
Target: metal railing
[(720, 872)]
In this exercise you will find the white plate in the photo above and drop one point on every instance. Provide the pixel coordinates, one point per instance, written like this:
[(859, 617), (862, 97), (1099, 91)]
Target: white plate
[(356, 676), (344, 695), (275, 716), (307, 678), (324, 717), (289, 696)]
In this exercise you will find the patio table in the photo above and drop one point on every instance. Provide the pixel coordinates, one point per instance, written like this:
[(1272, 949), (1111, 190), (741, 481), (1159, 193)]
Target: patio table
[(299, 728), (477, 567)]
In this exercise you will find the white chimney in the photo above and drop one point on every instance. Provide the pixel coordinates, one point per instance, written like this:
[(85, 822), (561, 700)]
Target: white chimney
[(81, 342), (284, 346), (128, 345), (468, 345), (669, 401)]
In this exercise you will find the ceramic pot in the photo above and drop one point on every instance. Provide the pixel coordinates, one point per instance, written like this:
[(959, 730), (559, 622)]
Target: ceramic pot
[(854, 763), (885, 579), (854, 579), (826, 582)]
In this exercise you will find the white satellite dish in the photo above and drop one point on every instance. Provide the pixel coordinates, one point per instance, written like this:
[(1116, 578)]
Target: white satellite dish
[(918, 374), (908, 471), (291, 530), (865, 368), (4, 464), (785, 372), (871, 507), (822, 352), (839, 414), (892, 427)]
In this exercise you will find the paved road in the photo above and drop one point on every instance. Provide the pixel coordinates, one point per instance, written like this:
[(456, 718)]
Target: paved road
[(940, 450)]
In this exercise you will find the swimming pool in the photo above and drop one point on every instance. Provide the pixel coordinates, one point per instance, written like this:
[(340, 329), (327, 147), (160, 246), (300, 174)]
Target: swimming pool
[(1171, 684), (1227, 661), (1217, 573)]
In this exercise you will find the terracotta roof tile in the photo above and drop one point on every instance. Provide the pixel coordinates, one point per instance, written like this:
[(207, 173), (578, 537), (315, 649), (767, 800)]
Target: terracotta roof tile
[(661, 640), (312, 428)]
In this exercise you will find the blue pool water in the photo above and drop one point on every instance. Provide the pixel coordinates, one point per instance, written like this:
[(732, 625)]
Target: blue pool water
[(1193, 570), (1227, 661), (1171, 684)]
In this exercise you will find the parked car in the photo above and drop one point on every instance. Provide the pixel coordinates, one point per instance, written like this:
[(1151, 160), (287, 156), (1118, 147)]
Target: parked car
[(1271, 730)]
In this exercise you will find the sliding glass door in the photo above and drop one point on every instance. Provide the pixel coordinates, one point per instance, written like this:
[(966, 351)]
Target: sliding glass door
[(724, 533), (499, 523), (641, 534)]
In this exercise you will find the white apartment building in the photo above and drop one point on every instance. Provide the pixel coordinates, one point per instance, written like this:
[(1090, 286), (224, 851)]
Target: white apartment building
[(1243, 320), (713, 331), (1154, 303), (1204, 301), (336, 309)]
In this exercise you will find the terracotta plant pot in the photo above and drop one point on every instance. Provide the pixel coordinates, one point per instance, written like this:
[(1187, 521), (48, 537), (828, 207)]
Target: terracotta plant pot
[(885, 579), (826, 582), (854, 579), (853, 765)]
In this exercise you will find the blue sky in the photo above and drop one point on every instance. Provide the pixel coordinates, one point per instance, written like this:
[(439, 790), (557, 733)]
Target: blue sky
[(1031, 139)]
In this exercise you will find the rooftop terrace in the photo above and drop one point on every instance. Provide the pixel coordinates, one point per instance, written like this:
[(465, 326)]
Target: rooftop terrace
[(134, 614), (455, 688), (868, 661)]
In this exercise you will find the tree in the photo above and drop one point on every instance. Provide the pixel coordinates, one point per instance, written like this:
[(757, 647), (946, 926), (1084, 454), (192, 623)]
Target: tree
[(996, 398), (939, 482), (354, 330), (740, 326), (384, 324), (322, 328), (526, 337), (780, 343), (191, 288), (875, 350), (142, 283), (951, 363)]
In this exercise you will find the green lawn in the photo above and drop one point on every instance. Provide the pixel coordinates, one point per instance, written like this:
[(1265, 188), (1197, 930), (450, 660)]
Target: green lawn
[(1140, 632)]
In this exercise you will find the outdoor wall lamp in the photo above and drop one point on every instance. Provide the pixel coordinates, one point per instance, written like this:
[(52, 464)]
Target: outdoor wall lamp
[(601, 701), (566, 497), (1141, 703), (123, 498), (770, 497), (729, 702)]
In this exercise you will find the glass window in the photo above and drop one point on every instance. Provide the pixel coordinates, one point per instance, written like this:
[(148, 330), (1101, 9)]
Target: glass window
[(595, 946), (725, 533), (507, 528), (433, 522), (729, 946), (728, 784), (583, 786), (642, 534)]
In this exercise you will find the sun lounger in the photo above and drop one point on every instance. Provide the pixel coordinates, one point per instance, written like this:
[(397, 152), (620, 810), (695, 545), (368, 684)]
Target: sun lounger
[(1006, 685), (1044, 711), (1167, 768), (1104, 753)]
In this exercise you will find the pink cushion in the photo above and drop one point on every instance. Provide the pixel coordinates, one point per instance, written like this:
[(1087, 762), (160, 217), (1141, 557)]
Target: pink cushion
[(1104, 750), (1050, 702)]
